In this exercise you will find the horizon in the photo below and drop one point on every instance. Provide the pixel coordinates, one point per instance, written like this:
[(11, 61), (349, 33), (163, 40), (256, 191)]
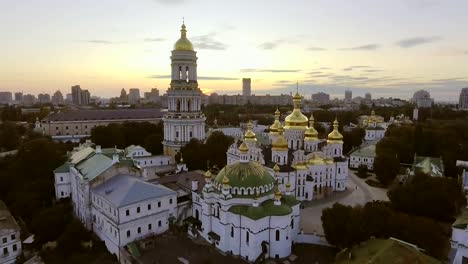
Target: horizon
[(389, 49)]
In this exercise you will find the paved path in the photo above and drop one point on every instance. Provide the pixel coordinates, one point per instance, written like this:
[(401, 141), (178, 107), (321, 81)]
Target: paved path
[(358, 192)]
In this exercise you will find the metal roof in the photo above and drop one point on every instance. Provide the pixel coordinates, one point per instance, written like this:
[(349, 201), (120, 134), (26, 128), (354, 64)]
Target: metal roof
[(123, 190), (99, 114), (7, 222)]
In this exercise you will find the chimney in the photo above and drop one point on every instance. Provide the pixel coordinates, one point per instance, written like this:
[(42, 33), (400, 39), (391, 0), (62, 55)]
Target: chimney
[(115, 158), (98, 149), (194, 186)]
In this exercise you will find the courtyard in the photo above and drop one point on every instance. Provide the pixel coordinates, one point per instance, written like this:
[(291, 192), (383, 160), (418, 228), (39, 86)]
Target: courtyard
[(358, 193)]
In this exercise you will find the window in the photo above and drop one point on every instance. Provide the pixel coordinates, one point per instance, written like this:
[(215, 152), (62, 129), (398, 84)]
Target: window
[(4, 240), (159, 223), (127, 212), (139, 230), (76, 127), (150, 226), (128, 233), (5, 251), (56, 128), (61, 178), (66, 127), (61, 193), (159, 204), (170, 201), (13, 237), (138, 209), (232, 231), (292, 223), (15, 247), (247, 237), (277, 235), (149, 206)]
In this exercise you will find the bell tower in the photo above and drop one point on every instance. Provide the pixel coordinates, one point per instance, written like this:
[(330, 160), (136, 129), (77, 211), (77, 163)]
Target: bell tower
[(184, 119)]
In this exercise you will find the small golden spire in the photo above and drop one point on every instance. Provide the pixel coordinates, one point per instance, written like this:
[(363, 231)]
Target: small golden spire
[(243, 147), (276, 168), (207, 174), (225, 181)]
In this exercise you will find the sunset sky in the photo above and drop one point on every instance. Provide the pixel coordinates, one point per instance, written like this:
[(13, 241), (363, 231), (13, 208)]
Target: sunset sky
[(386, 47)]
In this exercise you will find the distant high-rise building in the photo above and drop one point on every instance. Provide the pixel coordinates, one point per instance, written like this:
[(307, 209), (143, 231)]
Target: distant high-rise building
[(422, 99), (320, 98), (463, 102), (79, 96), (123, 95), (19, 97), (43, 98), (152, 96), (57, 98), (246, 88), (5, 97), (348, 96), (133, 95), (85, 97), (29, 99), (368, 96)]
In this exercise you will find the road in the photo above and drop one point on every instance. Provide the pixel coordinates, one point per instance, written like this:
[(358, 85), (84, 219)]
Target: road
[(358, 192)]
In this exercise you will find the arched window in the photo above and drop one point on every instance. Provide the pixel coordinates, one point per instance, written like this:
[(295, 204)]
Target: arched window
[(277, 235), (232, 231), (247, 237), (178, 105), (180, 72), (292, 223), (197, 214), (339, 170), (187, 74)]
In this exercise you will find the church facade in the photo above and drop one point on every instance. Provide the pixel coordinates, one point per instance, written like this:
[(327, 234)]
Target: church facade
[(184, 119)]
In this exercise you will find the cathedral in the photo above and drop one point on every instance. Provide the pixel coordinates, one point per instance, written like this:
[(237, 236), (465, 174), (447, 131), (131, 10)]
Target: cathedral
[(184, 119), (313, 167)]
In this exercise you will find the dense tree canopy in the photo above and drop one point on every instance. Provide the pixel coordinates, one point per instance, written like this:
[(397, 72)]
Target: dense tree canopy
[(353, 139), (145, 134), (439, 198), (345, 226), (197, 154)]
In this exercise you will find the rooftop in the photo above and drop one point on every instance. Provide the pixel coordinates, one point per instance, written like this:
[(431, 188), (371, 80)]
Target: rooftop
[(382, 251), (462, 220), (368, 151), (123, 190), (430, 166), (7, 222), (267, 208), (99, 114)]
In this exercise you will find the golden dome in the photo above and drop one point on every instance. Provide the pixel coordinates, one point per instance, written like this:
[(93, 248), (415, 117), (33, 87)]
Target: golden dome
[(276, 123), (296, 119), (207, 174), (249, 135), (311, 134), (280, 142), (225, 180), (316, 160), (288, 185), (243, 147), (276, 168), (335, 135), (183, 43)]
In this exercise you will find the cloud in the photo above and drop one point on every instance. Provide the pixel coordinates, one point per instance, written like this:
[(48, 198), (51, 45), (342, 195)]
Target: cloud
[(373, 70), (100, 41), (416, 41), (363, 47), (206, 78), (209, 78), (268, 70), (316, 49), (350, 68), (208, 42), (170, 2), (315, 72), (450, 79), (153, 39), (268, 45)]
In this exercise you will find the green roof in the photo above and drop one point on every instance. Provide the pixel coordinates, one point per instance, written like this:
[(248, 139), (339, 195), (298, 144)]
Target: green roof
[(249, 174), (383, 251), (368, 151), (462, 220), (267, 208), (93, 166), (430, 166), (63, 168), (81, 154)]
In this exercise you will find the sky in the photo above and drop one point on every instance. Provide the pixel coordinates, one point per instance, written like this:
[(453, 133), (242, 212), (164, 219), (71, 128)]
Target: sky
[(386, 47)]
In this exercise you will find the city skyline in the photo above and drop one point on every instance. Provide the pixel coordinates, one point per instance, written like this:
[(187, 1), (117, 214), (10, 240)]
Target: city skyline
[(387, 49)]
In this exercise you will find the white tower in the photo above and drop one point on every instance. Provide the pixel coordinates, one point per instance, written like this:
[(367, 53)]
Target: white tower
[(184, 119)]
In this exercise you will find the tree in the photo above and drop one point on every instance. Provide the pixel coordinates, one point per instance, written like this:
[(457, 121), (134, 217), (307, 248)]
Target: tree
[(70, 240), (362, 171), (153, 144), (50, 223), (386, 167), (438, 198)]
